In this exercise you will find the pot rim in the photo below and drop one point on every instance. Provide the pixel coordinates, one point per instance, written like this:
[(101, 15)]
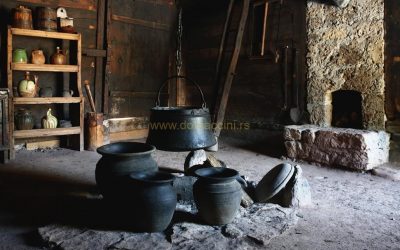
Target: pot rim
[(148, 177), (105, 150), (226, 174)]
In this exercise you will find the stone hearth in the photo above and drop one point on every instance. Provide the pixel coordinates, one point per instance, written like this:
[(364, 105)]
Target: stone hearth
[(346, 52), (337, 147)]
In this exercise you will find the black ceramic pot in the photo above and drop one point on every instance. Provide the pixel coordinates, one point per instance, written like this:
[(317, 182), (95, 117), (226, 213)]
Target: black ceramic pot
[(152, 201), (217, 195), (118, 161)]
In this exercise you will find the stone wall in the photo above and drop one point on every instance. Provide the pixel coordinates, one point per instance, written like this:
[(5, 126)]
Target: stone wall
[(346, 52)]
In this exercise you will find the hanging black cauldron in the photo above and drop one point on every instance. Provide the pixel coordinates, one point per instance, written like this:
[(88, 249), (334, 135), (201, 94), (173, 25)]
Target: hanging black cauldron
[(180, 128)]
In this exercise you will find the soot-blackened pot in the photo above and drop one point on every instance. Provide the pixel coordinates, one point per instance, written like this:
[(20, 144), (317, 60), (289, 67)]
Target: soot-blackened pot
[(180, 128), (151, 201), (217, 195), (119, 160)]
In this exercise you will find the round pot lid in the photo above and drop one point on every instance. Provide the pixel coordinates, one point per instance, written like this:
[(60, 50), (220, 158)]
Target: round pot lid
[(273, 182)]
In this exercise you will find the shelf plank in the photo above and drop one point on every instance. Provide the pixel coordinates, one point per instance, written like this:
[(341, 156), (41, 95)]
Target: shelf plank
[(44, 67), (44, 34), (20, 134), (45, 100)]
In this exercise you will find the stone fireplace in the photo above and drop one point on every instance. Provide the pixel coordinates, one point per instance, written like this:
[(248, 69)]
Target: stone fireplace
[(345, 87), (347, 109), (346, 52)]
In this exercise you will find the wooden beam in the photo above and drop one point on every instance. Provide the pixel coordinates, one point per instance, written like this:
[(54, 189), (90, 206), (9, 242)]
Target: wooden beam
[(94, 52), (223, 101), (129, 135), (135, 94), (221, 50), (83, 5), (141, 22), (106, 85), (99, 76)]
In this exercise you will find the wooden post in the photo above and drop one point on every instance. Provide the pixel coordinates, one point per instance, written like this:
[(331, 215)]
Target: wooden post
[(10, 87), (221, 50), (223, 100), (98, 82)]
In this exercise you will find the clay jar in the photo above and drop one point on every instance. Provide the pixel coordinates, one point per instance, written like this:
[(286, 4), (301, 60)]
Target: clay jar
[(217, 195), (59, 57), (150, 201), (38, 57), (22, 18), (119, 160), (24, 119), (19, 56)]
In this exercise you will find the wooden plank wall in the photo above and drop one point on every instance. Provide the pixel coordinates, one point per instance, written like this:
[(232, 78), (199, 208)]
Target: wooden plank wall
[(257, 91), (392, 61), (140, 44)]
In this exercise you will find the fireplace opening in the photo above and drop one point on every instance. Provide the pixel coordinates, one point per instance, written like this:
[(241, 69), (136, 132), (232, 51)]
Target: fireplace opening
[(347, 109)]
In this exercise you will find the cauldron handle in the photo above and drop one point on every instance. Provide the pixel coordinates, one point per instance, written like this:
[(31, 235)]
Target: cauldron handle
[(203, 105)]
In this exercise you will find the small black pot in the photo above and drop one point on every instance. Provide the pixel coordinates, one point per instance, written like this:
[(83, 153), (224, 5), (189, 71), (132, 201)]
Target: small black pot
[(217, 195), (119, 160), (152, 201)]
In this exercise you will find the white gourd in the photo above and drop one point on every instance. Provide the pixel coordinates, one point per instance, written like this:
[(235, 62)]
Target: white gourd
[(49, 121)]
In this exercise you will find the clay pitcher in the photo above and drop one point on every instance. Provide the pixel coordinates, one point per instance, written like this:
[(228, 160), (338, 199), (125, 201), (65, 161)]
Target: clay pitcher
[(68, 93), (27, 87), (59, 57), (38, 57)]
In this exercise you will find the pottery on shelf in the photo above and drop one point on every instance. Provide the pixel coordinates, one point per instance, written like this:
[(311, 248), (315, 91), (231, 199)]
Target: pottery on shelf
[(19, 56), (68, 93), (119, 160), (49, 121), (27, 87), (150, 200), (24, 119), (38, 57), (217, 194), (65, 124), (59, 57), (46, 92)]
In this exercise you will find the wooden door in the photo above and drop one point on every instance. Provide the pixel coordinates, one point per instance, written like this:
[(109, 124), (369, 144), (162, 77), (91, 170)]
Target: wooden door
[(139, 40)]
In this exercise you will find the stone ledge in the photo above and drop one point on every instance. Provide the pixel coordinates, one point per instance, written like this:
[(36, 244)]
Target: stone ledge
[(337, 147)]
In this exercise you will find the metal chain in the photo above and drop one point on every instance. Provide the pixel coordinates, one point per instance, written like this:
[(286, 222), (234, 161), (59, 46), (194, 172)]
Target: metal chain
[(179, 44)]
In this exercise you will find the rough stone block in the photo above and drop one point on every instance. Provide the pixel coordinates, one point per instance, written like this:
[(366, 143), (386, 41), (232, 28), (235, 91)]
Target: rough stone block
[(342, 3), (339, 147), (292, 134)]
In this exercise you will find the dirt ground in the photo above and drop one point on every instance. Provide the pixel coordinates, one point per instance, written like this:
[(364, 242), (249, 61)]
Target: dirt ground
[(351, 210)]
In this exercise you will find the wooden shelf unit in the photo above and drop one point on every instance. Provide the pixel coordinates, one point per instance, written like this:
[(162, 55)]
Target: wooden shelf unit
[(44, 67), (22, 134), (46, 100), (13, 101)]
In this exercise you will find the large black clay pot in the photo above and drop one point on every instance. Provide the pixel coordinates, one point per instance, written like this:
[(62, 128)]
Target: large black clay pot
[(118, 161), (180, 128), (217, 195), (152, 201)]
